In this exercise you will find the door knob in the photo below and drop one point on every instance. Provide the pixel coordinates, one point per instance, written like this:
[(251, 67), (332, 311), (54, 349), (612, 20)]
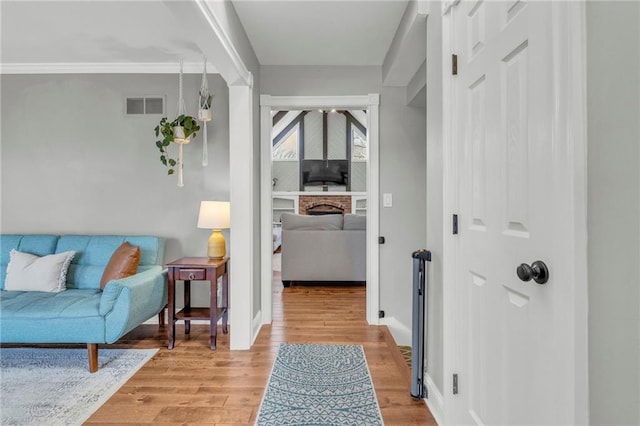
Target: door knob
[(538, 271)]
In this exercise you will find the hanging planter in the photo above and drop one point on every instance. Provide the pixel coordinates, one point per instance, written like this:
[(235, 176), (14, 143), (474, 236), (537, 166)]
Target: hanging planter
[(184, 128), (205, 100), (204, 115), (179, 131), (178, 135), (204, 111)]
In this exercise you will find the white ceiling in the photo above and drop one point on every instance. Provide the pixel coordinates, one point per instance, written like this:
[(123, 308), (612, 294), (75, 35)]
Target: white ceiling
[(312, 32), (300, 32), (93, 32)]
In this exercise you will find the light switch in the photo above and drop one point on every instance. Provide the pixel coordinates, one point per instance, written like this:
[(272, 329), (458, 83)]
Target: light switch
[(387, 200)]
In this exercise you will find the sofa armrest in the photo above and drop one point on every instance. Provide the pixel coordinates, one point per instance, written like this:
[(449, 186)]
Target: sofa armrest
[(128, 302)]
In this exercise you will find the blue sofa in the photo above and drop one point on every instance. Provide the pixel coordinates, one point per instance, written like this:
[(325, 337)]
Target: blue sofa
[(83, 313)]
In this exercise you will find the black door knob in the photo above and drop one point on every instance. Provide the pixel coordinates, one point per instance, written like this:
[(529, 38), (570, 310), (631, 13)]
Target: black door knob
[(538, 271)]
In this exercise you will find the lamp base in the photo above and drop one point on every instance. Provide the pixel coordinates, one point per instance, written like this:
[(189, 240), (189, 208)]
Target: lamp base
[(217, 246)]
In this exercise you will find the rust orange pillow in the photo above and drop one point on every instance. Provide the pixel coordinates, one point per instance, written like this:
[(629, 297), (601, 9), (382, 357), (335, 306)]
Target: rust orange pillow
[(123, 263)]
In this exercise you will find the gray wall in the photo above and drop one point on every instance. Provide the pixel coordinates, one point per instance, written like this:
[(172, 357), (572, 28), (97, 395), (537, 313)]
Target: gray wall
[(403, 174), (613, 92), (435, 230), (72, 162), (319, 80), (402, 165)]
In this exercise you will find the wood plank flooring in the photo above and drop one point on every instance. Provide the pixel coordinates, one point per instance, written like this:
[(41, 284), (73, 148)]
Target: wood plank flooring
[(192, 385)]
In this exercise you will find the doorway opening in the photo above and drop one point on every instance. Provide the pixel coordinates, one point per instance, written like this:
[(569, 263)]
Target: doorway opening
[(283, 186)]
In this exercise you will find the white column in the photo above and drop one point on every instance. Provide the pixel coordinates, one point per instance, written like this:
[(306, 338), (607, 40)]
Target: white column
[(373, 214), (266, 205), (241, 233)]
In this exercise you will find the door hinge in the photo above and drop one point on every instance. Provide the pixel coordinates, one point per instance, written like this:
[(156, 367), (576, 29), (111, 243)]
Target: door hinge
[(455, 384), (454, 64), (454, 224)]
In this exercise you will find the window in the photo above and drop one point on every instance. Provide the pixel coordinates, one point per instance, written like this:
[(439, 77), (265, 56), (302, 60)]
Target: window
[(358, 145), (287, 147)]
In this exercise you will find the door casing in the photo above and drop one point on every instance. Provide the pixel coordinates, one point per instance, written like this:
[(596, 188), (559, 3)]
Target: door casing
[(369, 102)]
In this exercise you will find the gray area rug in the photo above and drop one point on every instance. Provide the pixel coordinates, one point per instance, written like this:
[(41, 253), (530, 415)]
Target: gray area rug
[(314, 384), (54, 386)]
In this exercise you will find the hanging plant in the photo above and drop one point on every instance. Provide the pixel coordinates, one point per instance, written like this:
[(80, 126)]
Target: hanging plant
[(179, 131), (205, 100)]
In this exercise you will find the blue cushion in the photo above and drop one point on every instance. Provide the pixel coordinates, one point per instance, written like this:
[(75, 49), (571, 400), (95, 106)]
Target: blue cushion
[(45, 305), (151, 249), (94, 251), (70, 316)]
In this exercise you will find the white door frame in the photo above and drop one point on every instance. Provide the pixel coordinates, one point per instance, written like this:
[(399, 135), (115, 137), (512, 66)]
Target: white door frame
[(370, 102), (569, 136)]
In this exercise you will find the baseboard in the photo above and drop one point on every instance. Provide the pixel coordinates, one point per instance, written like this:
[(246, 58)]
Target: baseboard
[(154, 320), (435, 401), (400, 332), (257, 325)]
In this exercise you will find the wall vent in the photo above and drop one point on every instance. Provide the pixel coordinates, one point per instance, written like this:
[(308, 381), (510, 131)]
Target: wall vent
[(144, 105)]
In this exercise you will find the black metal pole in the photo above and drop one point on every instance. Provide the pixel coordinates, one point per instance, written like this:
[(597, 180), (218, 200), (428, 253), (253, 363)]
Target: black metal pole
[(419, 302)]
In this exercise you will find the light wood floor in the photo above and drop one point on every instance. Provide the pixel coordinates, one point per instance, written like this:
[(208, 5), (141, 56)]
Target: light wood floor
[(193, 385)]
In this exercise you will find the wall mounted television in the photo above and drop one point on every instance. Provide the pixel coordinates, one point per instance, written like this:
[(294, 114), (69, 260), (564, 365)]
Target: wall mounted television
[(325, 172)]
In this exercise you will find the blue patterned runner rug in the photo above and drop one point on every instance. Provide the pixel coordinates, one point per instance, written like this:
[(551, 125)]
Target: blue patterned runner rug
[(314, 384)]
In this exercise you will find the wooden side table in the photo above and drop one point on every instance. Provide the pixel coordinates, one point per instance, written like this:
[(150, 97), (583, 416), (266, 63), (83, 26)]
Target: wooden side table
[(205, 269)]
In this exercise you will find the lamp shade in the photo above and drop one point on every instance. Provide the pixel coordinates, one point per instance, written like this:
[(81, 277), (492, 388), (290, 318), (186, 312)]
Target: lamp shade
[(214, 215)]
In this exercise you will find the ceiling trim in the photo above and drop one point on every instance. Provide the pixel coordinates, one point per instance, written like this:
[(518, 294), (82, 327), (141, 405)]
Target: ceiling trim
[(244, 76), (300, 102), (105, 68), (408, 48)]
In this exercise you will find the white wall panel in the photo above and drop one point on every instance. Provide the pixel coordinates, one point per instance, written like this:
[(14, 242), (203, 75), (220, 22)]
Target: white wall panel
[(336, 136), (313, 136), (359, 177), (287, 174)]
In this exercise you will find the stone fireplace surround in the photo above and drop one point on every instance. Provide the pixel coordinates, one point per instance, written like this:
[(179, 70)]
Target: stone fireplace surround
[(324, 204)]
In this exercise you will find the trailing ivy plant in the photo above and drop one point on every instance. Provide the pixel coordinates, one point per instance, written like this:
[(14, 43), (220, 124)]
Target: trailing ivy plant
[(165, 128)]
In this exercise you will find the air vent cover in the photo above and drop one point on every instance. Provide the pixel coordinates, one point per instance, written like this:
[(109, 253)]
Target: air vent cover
[(145, 105)]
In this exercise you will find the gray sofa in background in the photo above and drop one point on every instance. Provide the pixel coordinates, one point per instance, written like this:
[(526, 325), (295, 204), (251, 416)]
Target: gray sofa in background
[(323, 248)]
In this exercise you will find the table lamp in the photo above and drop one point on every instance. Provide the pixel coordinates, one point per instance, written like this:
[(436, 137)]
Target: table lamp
[(215, 215)]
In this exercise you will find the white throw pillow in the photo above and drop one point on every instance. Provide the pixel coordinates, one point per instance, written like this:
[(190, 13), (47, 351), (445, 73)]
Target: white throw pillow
[(28, 272)]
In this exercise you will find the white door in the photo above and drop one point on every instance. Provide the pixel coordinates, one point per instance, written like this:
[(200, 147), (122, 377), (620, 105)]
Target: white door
[(516, 339)]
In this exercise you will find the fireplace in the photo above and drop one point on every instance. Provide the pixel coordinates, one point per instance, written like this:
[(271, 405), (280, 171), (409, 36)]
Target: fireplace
[(322, 209), (324, 204)]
